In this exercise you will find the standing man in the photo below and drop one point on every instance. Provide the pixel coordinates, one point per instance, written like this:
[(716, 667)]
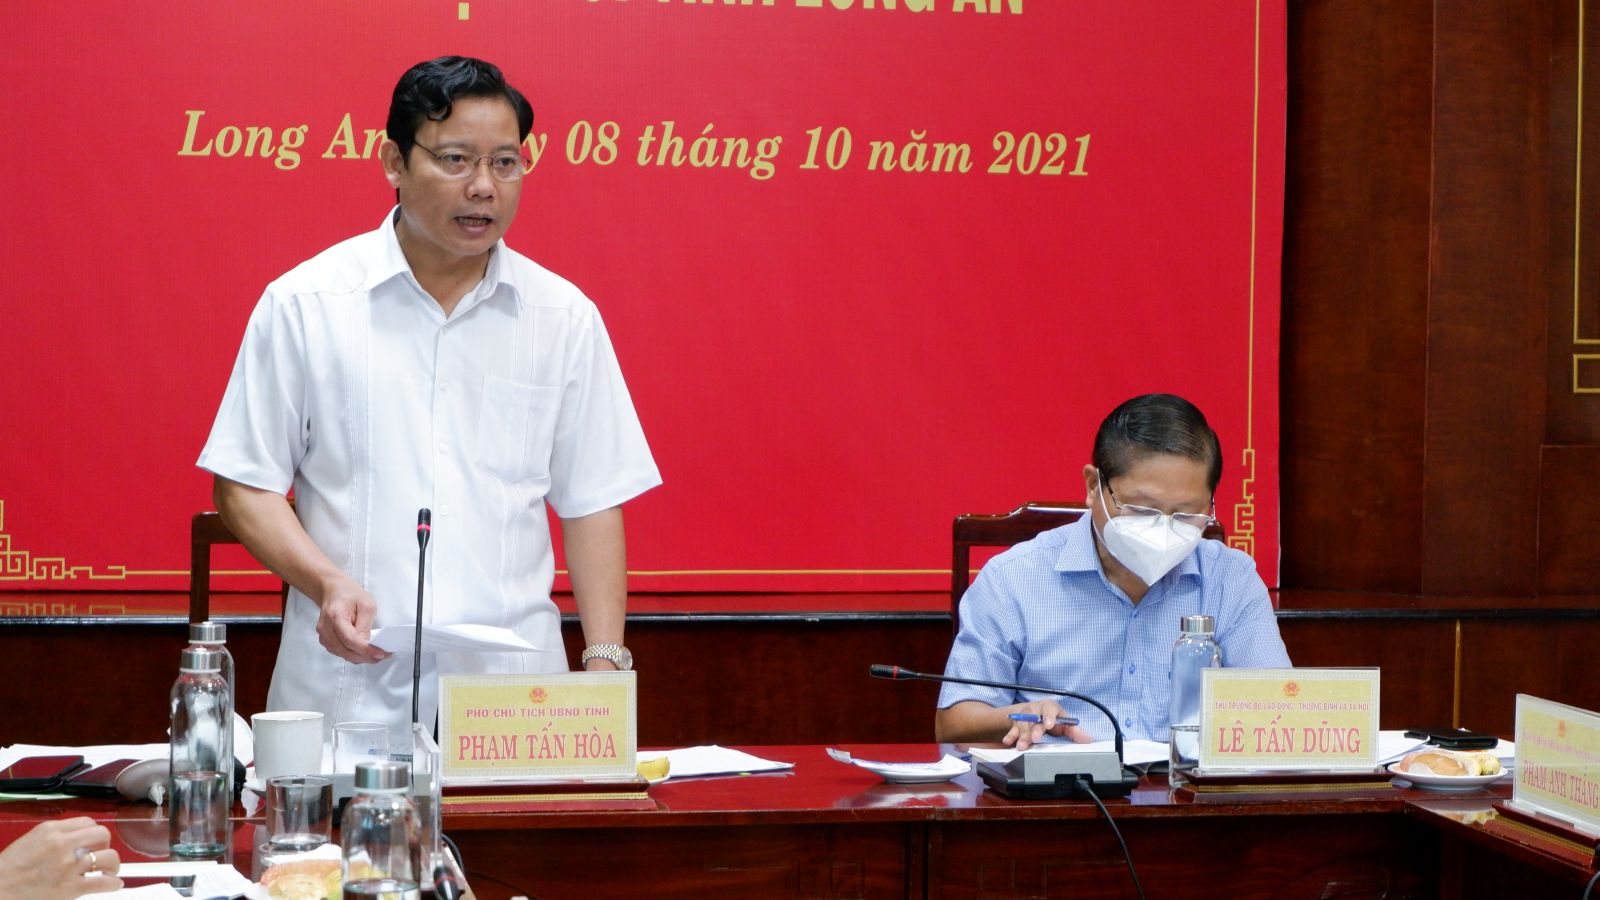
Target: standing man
[(1093, 606), (427, 364)]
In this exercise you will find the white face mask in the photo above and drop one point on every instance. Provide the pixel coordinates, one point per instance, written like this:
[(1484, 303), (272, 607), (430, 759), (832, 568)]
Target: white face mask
[(1148, 546)]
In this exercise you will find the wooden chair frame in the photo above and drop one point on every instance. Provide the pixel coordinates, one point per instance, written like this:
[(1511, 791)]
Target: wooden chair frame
[(207, 530)]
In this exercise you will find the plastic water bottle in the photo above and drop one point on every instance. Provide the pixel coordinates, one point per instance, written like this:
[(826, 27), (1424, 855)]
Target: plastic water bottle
[(201, 757), (379, 831), (1195, 651), (214, 636)]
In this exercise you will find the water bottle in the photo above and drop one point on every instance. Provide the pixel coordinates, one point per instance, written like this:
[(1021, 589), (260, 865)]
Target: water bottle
[(1195, 651), (214, 636), (379, 831), (201, 757)]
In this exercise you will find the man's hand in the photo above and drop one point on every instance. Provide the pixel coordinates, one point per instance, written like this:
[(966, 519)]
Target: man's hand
[(1026, 734), (345, 624), (268, 528)]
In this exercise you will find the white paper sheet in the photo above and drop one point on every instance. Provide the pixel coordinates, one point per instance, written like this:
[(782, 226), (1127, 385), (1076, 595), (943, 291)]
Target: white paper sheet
[(210, 880), (436, 638), (94, 756), (712, 760)]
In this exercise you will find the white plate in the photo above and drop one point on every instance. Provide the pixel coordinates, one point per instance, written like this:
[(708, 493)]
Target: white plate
[(135, 781), (1447, 782)]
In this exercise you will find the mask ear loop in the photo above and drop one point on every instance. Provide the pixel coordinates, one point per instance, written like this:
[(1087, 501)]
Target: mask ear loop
[(1100, 491)]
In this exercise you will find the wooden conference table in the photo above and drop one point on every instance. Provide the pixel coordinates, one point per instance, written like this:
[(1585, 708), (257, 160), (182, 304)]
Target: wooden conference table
[(830, 830)]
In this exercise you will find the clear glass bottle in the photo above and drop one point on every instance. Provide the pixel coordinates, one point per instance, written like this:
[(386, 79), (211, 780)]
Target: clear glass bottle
[(380, 834), (214, 636), (201, 758), (1195, 651)]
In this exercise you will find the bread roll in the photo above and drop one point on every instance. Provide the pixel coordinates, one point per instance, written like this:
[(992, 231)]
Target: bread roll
[(310, 879), (1432, 762), (1435, 761)]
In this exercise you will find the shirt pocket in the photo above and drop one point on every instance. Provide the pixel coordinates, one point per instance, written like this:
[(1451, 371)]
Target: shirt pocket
[(516, 429)]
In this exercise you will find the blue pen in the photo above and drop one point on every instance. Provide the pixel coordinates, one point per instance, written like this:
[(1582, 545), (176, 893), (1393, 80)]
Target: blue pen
[(1035, 718)]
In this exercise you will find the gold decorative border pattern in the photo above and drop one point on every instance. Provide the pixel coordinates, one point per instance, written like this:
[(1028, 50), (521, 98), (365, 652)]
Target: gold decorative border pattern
[(1242, 534), (1579, 386), (11, 608), (21, 565), (1242, 531)]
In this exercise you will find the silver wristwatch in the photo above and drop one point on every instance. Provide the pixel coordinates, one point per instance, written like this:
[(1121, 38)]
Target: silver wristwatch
[(616, 653)]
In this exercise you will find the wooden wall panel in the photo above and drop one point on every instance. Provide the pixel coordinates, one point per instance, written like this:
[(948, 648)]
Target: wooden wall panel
[(1439, 277), (1355, 284), (1417, 658), (1549, 659), (1486, 360), (1574, 312), (1569, 532)]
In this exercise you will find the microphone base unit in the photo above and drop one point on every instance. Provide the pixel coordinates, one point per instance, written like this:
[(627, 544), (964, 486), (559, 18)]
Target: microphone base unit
[(1057, 776)]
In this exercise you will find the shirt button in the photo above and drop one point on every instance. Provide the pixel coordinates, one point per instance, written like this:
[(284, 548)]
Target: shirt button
[(1131, 668), (443, 447), (444, 510), (444, 388), (1127, 723)]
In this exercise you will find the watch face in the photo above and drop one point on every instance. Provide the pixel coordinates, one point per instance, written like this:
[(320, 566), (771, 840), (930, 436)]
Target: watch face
[(624, 659)]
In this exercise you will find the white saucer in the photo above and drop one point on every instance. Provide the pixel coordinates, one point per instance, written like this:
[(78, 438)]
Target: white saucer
[(908, 773), (1447, 782)]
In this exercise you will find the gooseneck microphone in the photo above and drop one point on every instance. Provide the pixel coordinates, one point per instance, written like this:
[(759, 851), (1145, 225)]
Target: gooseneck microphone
[(1108, 780), (424, 531)]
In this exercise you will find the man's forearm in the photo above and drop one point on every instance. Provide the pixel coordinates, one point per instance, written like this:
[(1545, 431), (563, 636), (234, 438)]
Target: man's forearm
[(597, 562), (266, 525), (970, 721)]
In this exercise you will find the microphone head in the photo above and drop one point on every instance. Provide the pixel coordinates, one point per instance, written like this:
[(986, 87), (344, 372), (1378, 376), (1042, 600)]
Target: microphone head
[(424, 526), (879, 670), (444, 886)]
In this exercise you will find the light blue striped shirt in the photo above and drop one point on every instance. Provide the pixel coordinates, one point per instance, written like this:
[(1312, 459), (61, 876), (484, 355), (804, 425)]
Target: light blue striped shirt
[(1043, 613)]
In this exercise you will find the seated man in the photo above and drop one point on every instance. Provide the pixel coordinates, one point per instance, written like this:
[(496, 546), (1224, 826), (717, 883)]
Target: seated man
[(1093, 606)]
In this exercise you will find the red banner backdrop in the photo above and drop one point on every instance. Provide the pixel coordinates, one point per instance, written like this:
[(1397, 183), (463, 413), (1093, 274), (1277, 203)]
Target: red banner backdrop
[(867, 264)]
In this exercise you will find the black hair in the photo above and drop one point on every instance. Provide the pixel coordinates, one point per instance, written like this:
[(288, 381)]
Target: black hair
[(428, 90), (1156, 423)]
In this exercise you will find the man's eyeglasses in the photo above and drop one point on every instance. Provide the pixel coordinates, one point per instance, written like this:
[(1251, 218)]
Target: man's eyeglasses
[(1201, 521), (503, 166)]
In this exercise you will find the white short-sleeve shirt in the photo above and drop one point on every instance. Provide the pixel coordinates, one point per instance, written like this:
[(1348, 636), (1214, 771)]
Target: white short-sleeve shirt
[(352, 388)]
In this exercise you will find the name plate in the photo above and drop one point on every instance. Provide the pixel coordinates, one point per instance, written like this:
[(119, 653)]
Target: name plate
[(1558, 761), (537, 727), (1289, 719)]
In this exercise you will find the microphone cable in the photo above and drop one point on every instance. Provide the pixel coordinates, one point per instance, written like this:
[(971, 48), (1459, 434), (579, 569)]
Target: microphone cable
[(1590, 887), (1084, 785)]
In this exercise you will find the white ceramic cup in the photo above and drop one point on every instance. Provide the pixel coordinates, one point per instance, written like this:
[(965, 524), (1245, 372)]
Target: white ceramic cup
[(287, 742)]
